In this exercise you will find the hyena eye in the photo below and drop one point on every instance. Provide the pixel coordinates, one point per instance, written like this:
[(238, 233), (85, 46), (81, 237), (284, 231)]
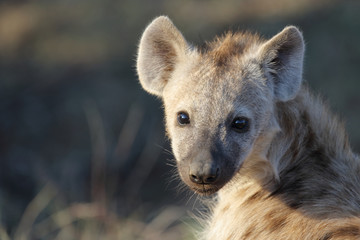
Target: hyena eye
[(183, 118), (240, 124)]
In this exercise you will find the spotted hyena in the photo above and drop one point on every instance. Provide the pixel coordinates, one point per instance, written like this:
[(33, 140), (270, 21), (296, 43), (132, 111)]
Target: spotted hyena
[(243, 125)]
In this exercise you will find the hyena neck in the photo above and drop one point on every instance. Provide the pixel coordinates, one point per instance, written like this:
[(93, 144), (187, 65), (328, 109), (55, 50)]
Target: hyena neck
[(309, 163), (314, 164)]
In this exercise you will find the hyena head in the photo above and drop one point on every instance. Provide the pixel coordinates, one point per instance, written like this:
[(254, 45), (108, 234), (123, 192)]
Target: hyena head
[(218, 100)]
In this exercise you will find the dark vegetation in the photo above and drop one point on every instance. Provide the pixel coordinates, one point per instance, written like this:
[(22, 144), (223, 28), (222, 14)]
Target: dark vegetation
[(82, 148)]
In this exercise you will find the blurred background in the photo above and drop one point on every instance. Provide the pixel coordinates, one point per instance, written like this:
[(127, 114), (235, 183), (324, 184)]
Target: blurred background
[(83, 154)]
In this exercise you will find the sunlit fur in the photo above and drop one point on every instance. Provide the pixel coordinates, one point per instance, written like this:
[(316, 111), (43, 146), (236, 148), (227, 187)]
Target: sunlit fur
[(292, 175)]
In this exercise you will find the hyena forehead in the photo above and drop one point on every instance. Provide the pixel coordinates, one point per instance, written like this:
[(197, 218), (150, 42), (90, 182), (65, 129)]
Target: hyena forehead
[(219, 70), (227, 51), (206, 88)]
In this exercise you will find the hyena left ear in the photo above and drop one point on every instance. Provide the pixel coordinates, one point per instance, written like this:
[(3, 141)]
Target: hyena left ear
[(282, 57), (161, 47)]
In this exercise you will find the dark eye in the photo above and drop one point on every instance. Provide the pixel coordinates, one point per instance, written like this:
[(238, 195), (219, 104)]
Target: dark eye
[(240, 124), (183, 118)]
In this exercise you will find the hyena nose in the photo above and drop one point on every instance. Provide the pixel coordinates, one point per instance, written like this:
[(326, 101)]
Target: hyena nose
[(204, 175)]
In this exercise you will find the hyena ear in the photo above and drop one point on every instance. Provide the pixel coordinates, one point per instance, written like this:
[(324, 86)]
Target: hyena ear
[(282, 57), (161, 47)]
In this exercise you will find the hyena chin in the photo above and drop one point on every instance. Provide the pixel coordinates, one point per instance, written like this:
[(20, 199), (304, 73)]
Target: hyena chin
[(242, 124)]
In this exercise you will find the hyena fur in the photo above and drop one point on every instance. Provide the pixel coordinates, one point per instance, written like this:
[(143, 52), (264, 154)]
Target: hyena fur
[(242, 124)]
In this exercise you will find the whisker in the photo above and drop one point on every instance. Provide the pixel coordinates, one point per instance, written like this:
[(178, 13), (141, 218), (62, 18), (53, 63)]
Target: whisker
[(165, 150)]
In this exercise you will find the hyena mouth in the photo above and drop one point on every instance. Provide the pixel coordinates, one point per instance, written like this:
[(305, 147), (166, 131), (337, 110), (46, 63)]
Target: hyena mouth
[(205, 189)]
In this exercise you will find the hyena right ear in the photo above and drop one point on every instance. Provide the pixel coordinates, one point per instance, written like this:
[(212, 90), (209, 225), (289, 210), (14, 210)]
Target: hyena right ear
[(282, 57), (161, 47)]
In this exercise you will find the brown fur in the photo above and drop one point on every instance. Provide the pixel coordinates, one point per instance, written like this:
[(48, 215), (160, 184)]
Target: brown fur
[(291, 173), (231, 45)]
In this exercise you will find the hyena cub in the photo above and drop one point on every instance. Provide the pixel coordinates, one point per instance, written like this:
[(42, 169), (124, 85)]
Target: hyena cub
[(242, 124)]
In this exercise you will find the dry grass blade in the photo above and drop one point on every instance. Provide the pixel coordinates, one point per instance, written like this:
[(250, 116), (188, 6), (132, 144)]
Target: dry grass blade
[(164, 220), (68, 233), (144, 165), (33, 210), (98, 163), (124, 144), (128, 132), (64, 218), (3, 234)]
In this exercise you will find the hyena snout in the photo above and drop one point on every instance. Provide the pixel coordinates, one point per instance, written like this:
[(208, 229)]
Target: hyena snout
[(204, 172)]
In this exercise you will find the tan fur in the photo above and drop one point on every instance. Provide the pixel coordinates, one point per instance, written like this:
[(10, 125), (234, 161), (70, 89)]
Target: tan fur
[(290, 173)]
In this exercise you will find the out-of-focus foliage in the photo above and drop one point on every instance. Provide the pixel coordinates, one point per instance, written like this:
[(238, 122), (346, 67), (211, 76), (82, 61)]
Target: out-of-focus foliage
[(82, 148)]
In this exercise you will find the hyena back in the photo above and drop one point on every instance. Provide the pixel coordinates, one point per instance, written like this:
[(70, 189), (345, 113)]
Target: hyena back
[(242, 124)]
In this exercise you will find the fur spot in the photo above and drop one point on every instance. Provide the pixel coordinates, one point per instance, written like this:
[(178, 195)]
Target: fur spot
[(255, 197), (350, 231), (248, 232), (291, 185), (225, 209), (345, 232), (276, 221), (327, 236)]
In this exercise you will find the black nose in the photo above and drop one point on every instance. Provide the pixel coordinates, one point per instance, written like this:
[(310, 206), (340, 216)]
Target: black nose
[(204, 177)]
